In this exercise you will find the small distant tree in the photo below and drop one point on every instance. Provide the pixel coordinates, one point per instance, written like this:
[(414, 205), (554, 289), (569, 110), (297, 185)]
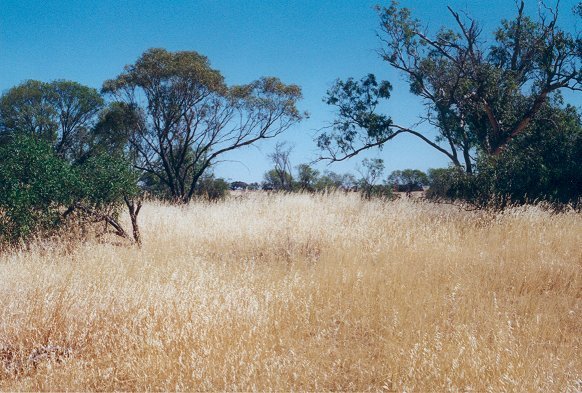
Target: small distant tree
[(238, 185), (212, 188), (349, 182), (282, 167), (330, 180), (408, 180), (107, 182), (307, 177), (254, 186), (443, 182), (371, 172), (277, 180)]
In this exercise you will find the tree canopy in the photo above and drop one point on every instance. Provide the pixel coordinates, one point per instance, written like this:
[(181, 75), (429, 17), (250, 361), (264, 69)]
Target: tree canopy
[(479, 94), (62, 113), (186, 117), (408, 180)]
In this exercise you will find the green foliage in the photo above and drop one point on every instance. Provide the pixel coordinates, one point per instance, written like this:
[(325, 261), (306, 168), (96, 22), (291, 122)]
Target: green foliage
[(306, 177), (370, 191), (330, 180), (105, 181), (372, 171), (114, 128), (280, 177), (536, 166), (239, 185), (60, 113), (452, 184), (27, 108), (211, 188), (356, 102), (153, 186), (38, 188), (540, 165), (34, 185), (408, 180), (277, 180), (440, 182)]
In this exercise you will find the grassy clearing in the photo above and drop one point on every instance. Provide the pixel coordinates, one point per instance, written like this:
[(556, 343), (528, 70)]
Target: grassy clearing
[(306, 293)]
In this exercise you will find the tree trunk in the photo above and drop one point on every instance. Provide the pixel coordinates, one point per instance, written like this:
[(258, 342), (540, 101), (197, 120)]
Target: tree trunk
[(134, 209)]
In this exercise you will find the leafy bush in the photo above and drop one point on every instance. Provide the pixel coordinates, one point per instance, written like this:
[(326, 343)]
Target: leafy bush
[(34, 185), (39, 190), (211, 188), (278, 180), (536, 166), (454, 184), (335, 181), (408, 180), (105, 181), (377, 191), (541, 165)]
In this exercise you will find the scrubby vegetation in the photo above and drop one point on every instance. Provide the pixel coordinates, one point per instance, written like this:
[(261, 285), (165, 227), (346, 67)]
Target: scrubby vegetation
[(42, 193)]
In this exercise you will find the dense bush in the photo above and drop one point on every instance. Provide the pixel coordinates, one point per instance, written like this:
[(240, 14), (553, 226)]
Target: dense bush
[(408, 180), (39, 190), (540, 165), (34, 185), (211, 188), (369, 191), (535, 166)]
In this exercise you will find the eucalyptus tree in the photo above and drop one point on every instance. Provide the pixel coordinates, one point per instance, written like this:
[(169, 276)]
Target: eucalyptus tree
[(408, 180), (371, 171), (282, 166), (307, 177), (479, 95), (61, 113), (187, 117)]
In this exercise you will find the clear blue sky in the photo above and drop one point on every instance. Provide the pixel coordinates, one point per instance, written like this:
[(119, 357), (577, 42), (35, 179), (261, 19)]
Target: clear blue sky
[(307, 42)]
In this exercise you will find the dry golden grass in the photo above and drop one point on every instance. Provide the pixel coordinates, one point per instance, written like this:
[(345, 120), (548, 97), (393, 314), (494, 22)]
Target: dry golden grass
[(302, 292)]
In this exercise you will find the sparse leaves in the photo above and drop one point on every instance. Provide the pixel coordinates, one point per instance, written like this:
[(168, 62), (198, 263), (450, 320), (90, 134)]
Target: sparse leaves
[(188, 116), (479, 95)]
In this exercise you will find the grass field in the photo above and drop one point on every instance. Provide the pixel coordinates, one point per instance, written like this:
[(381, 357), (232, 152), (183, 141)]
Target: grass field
[(302, 292)]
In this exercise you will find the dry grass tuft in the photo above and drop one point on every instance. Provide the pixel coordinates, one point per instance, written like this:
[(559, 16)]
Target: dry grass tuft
[(302, 292)]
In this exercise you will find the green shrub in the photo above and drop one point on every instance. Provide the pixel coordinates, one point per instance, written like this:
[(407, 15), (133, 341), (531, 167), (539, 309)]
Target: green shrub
[(542, 164), (38, 189), (34, 185), (211, 188)]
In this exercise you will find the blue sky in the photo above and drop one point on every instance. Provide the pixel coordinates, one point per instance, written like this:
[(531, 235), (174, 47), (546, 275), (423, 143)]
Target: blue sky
[(310, 43)]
